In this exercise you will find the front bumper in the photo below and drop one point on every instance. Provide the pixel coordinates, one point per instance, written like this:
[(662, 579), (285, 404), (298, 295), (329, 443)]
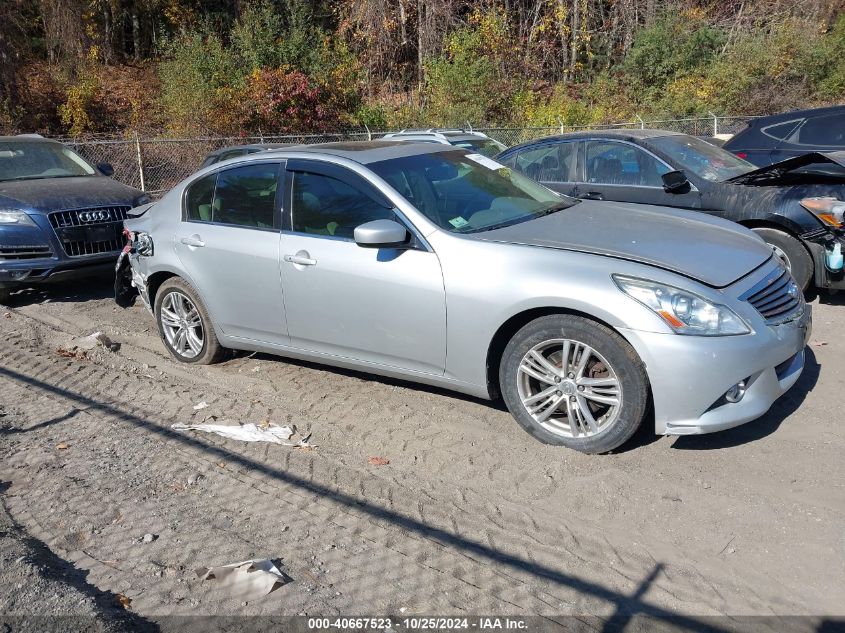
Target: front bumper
[(40, 253), (689, 375), (53, 270)]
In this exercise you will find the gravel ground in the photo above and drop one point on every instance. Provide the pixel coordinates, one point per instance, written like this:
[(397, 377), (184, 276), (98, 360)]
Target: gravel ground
[(470, 515)]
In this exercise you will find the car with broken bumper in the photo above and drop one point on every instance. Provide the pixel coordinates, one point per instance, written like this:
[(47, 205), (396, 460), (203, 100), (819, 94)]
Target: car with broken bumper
[(441, 266)]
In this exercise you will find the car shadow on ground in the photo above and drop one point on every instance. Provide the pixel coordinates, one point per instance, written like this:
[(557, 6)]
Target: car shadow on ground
[(387, 381), (78, 290), (785, 406), (109, 613)]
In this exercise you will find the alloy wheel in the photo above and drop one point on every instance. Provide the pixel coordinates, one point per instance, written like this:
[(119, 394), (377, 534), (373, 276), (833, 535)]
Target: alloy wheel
[(182, 324), (568, 388)]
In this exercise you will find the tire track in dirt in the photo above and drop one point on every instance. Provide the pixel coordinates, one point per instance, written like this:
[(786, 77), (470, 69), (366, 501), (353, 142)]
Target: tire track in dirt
[(433, 523)]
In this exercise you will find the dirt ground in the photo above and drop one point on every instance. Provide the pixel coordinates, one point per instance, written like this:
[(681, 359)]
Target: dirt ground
[(470, 516)]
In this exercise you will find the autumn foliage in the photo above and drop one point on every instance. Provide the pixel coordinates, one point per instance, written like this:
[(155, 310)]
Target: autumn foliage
[(182, 67)]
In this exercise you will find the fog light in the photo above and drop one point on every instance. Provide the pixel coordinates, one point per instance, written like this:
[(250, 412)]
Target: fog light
[(15, 274), (736, 393)]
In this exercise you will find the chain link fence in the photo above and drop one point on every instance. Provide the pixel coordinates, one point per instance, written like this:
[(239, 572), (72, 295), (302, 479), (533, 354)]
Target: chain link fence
[(157, 164)]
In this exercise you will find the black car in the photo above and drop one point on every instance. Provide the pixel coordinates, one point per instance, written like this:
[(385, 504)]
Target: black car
[(59, 216), (795, 206), (233, 151), (774, 138)]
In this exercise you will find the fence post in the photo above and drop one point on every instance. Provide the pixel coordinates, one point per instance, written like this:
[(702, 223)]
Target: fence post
[(369, 134), (640, 119), (140, 162), (715, 123), (560, 121)]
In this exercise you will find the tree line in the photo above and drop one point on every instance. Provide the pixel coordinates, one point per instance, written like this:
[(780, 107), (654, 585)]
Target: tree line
[(82, 66)]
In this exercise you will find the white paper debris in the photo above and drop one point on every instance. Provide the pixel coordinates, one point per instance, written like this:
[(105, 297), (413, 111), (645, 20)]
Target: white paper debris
[(97, 338), (200, 406), (248, 432), (249, 579)]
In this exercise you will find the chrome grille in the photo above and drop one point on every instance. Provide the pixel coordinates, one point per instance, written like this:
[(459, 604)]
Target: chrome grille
[(90, 231), (25, 252), (85, 217), (776, 297)]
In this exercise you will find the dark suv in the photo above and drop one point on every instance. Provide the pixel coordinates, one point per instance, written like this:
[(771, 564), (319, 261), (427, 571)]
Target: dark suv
[(771, 139), (59, 217)]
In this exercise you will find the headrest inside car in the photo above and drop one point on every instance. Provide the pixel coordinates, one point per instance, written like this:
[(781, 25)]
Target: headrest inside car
[(443, 171)]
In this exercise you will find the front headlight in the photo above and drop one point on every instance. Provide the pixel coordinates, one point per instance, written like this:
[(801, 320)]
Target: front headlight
[(18, 218), (683, 311), (829, 210)]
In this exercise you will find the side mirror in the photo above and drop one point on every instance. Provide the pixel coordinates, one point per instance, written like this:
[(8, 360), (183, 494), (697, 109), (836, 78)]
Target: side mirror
[(675, 182), (105, 168), (381, 234)]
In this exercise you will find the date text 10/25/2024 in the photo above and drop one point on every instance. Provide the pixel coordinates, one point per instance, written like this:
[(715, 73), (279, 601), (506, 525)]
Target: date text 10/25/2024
[(419, 623)]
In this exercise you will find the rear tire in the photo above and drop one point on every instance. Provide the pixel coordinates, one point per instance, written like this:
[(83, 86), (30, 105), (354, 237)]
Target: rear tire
[(570, 381), (5, 293), (185, 325), (791, 252)]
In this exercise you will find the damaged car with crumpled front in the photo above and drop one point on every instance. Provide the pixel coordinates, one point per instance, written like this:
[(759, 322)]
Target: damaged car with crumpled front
[(796, 205)]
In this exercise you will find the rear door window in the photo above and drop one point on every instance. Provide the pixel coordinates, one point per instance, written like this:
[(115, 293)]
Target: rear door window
[(240, 196), (547, 163), (199, 197), (246, 196)]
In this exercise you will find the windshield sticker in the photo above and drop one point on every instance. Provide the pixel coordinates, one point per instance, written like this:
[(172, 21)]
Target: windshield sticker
[(458, 222), (487, 162)]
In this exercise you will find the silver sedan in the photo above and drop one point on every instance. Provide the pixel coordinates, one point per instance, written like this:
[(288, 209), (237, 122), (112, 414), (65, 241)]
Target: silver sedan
[(441, 266)]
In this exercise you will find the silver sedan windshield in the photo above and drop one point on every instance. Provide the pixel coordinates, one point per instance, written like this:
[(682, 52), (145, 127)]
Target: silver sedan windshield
[(467, 193)]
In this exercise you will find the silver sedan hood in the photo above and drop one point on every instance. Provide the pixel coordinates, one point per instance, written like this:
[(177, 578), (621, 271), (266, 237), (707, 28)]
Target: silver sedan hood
[(711, 250)]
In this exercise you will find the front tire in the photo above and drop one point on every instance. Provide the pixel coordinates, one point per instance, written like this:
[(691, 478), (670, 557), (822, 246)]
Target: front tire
[(184, 324), (5, 294), (572, 382), (791, 252)]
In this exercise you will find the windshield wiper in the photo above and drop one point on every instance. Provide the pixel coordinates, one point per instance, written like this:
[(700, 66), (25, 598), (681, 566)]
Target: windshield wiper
[(560, 206)]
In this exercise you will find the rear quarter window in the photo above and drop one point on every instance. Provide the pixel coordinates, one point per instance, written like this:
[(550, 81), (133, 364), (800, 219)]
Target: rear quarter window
[(780, 131)]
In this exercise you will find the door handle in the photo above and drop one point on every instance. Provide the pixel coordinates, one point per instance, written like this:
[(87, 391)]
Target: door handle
[(301, 258), (593, 195), (194, 240)]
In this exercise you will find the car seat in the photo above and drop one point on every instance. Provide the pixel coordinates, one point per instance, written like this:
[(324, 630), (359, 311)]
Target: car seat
[(549, 168), (608, 170)]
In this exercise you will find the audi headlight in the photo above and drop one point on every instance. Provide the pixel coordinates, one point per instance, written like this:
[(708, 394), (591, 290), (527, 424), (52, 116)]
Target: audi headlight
[(18, 218), (829, 210), (683, 311)]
